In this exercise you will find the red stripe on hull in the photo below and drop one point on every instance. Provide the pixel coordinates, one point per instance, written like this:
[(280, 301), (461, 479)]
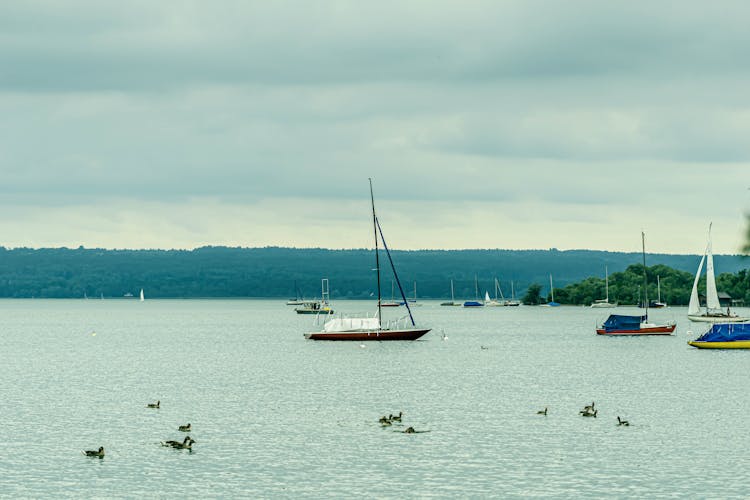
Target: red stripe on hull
[(659, 330), (364, 336)]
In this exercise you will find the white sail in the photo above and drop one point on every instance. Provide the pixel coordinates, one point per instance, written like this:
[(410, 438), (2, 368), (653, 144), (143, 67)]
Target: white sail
[(712, 297), (141, 294), (695, 305), (486, 296)]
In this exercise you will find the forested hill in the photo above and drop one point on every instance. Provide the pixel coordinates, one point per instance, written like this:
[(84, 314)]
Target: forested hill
[(272, 272)]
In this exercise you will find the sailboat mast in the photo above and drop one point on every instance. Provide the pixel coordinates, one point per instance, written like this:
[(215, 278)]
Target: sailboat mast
[(645, 280), (551, 289), (453, 299), (606, 283), (377, 257)]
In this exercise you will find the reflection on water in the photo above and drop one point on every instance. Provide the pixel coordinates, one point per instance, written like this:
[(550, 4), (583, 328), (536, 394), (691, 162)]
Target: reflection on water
[(274, 414)]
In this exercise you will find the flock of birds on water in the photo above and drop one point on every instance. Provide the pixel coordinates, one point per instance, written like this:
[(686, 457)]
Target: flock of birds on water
[(396, 419), (589, 411), (384, 421), (185, 444)]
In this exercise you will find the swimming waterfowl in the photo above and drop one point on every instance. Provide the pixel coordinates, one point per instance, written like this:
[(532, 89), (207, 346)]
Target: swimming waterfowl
[(542, 412), (184, 428), (154, 405), (186, 444), (94, 453), (397, 418), (410, 430), (590, 407), (622, 422), (589, 413)]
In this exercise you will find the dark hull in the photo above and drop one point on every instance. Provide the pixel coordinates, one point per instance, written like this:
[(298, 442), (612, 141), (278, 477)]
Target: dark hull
[(405, 334)]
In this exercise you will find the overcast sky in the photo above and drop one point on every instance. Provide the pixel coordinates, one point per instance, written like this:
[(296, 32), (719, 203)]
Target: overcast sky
[(572, 124)]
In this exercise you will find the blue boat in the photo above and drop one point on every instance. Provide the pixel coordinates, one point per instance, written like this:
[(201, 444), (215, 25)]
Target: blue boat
[(724, 336), (621, 324)]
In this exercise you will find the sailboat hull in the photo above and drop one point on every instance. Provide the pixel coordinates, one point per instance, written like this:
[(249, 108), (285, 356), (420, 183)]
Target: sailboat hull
[(736, 344), (370, 335), (654, 330), (603, 305), (704, 318)]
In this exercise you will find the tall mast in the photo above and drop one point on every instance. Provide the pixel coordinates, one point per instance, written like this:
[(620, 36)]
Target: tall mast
[(645, 281), (377, 257), (551, 288), (606, 283)]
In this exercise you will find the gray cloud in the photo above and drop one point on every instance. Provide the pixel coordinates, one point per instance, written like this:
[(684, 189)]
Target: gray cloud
[(586, 109)]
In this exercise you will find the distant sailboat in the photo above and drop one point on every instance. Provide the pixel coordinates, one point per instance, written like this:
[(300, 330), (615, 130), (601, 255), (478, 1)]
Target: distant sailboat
[(393, 302), (658, 304), (453, 299), (321, 306), (142, 298), (714, 312), (475, 302), (552, 302), (604, 303), (495, 302), (513, 301), (298, 300)]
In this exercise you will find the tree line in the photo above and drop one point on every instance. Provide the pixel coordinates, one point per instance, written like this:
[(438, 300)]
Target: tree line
[(672, 286), (274, 271)]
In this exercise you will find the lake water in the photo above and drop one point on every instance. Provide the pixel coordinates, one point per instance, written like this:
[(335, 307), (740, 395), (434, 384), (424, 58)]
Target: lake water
[(276, 415)]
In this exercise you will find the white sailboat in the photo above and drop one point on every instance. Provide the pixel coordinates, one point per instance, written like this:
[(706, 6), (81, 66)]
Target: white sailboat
[(453, 299), (604, 303), (552, 302), (513, 301), (142, 299), (713, 312), (658, 304), (495, 302)]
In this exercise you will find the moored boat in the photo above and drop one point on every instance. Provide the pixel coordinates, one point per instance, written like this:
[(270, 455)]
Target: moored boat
[(453, 299), (476, 302), (604, 303), (713, 313), (724, 336), (321, 306), (373, 328), (622, 325)]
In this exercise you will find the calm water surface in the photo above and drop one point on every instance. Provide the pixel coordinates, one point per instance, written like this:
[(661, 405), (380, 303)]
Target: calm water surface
[(276, 415)]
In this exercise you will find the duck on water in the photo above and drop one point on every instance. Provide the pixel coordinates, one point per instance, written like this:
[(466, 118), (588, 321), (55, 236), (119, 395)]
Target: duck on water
[(94, 453), (187, 444)]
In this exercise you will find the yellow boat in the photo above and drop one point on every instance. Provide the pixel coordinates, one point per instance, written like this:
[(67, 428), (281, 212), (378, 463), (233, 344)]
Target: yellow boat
[(724, 336), (736, 344)]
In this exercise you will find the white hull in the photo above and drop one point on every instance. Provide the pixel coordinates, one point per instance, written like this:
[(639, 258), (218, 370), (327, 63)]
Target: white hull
[(603, 305), (716, 319)]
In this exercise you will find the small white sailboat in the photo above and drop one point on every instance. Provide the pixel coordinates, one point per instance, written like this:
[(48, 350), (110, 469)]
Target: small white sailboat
[(513, 301), (552, 302), (604, 303), (495, 302), (453, 299), (142, 298), (713, 312), (658, 304)]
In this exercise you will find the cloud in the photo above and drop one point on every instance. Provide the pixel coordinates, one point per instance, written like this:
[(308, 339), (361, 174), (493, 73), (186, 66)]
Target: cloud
[(547, 119)]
